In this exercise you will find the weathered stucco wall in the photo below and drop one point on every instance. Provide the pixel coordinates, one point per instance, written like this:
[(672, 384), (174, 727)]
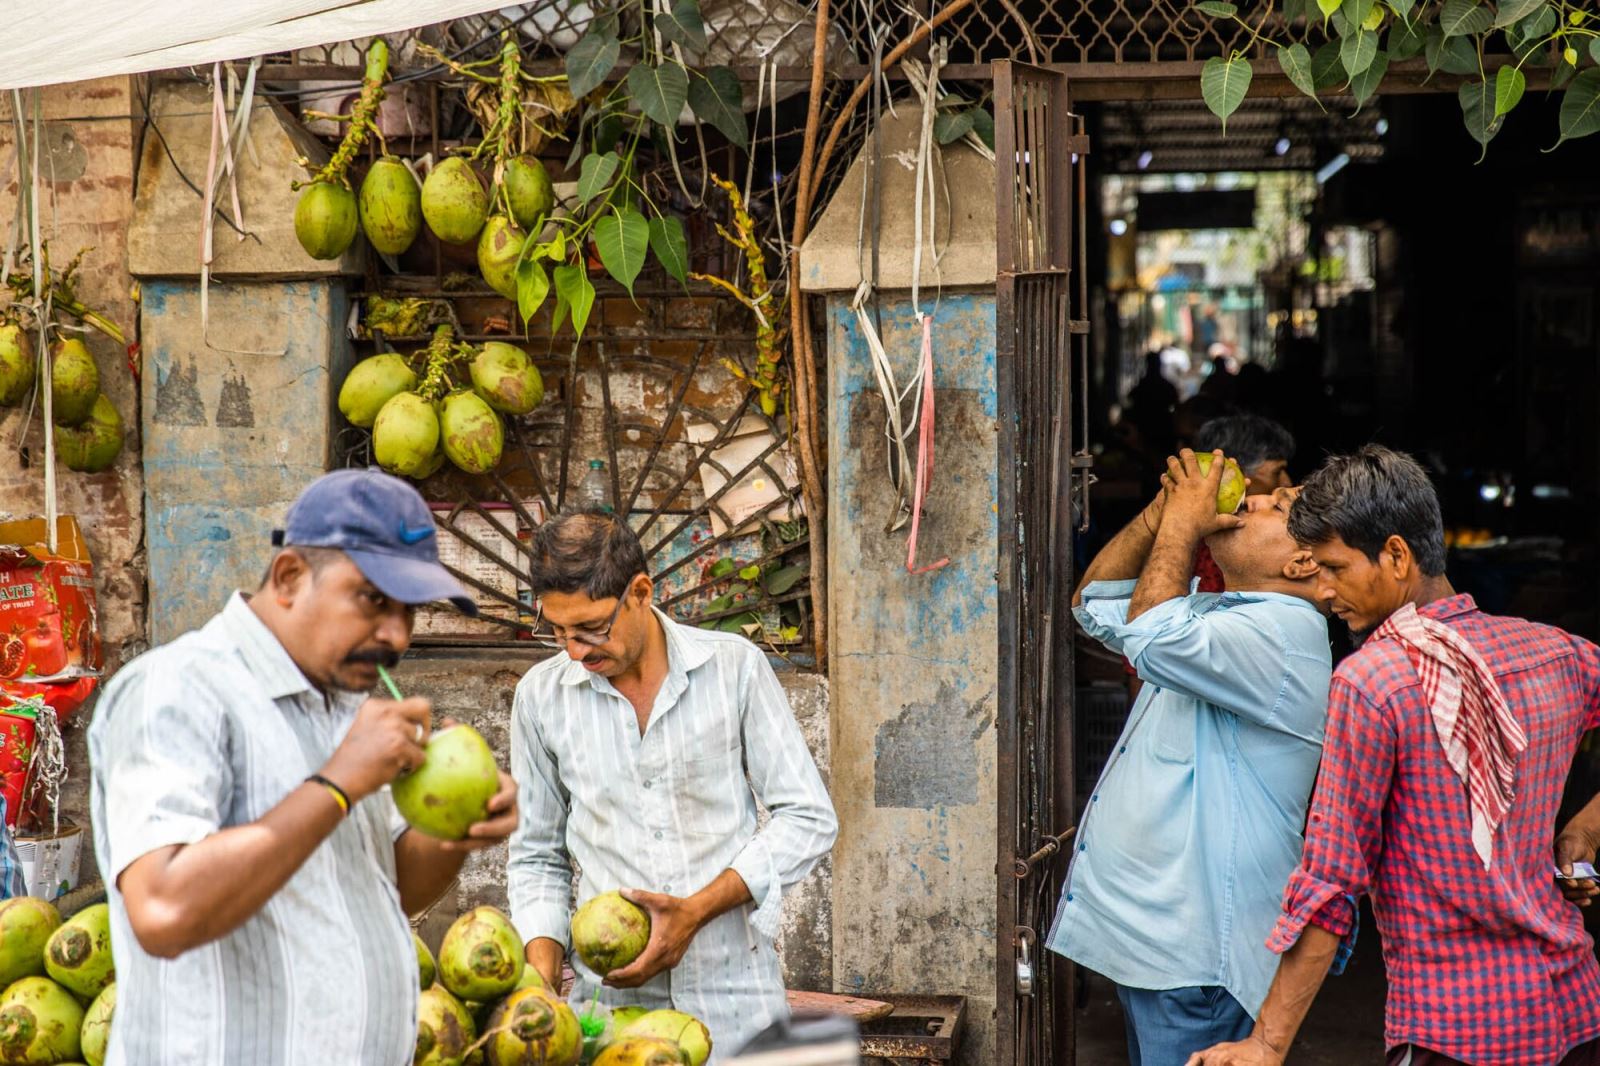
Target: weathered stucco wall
[(476, 688), (237, 422), (86, 171), (912, 669)]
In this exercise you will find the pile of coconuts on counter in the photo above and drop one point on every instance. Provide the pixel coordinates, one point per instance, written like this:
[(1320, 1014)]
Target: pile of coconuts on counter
[(60, 984), (481, 1003)]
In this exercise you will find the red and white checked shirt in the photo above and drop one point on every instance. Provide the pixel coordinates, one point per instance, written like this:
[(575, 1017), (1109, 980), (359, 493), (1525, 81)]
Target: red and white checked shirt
[(1492, 967)]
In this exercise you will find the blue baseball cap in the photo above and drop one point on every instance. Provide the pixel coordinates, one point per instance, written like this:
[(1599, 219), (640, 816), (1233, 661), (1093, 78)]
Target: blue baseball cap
[(386, 529)]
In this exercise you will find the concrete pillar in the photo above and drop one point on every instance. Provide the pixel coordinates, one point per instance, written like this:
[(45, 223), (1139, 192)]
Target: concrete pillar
[(239, 410), (913, 656)]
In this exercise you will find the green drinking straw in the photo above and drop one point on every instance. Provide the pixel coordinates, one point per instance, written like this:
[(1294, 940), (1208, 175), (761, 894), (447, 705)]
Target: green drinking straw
[(389, 683)]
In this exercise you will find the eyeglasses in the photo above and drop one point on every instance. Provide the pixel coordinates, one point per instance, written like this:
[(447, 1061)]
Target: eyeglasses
[(553, 636)]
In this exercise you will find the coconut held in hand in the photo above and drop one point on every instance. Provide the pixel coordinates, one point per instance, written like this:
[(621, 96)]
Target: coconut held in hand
[(450, 792), (608, 932), (1231, 492)]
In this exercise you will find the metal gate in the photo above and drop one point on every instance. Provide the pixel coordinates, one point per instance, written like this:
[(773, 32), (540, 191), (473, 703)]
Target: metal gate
[(1042, 355)]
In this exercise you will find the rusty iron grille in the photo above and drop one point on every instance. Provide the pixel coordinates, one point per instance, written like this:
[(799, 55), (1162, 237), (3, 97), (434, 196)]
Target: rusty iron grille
[(1039, 182), (703, 475)]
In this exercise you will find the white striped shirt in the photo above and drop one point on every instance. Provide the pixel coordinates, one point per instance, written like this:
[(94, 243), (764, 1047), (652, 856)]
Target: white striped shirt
[(214, 730), (668, 812)]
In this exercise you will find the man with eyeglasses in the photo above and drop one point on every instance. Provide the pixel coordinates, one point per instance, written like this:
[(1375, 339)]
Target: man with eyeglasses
[(640, 751)]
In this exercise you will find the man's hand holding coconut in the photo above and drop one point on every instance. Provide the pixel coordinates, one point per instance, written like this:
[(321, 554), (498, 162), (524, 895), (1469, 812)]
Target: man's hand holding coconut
[(641, 751), (257, 863)]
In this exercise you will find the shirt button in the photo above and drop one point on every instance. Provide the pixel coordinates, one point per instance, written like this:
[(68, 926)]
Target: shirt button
[(1122, 749), (1094, 799), (658, 834), (1069, 897), (1083, 847), (649, 784)]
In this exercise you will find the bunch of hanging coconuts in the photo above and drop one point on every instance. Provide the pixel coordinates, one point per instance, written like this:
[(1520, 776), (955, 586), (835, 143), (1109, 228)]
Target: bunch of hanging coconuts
[(88, 427), (456, 200), (417, 424)]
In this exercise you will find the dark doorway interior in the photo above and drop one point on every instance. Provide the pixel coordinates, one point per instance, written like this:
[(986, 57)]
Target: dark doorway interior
[(1477, 349)]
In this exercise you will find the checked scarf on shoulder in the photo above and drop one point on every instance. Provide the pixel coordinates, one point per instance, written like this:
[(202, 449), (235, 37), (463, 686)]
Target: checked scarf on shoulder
[(1480, 736)]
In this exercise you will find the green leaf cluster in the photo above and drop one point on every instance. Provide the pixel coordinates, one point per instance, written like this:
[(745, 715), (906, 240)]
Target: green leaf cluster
[(1489, 42)]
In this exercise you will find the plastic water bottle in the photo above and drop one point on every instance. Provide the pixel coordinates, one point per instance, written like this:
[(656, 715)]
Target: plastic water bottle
[(595, 488)]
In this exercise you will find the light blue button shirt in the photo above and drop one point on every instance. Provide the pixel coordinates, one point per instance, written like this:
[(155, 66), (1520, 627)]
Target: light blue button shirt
[(1181, 858)]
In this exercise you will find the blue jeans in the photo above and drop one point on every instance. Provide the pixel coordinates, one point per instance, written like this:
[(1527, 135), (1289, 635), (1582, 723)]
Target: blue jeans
[(1165, 1027)]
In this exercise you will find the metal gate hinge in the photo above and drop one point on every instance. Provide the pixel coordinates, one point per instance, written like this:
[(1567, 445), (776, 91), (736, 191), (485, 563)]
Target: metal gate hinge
[(1078, 326), (1079, 143)]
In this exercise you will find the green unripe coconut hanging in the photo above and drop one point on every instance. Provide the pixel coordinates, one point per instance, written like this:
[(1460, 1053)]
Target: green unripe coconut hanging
[(372, 383), (528, 190), (444, 1029), (1231, 492), (608, 932), (473, 435), (391, 206), (537, 1029), (325, 219), (405, 434), (499, 245), (40, 1023), (95, 445), (450, 792), (19, 368), (480, 958), (454, 202), (641, 1051), (685, 1030), (25, 927), (506, 378), (74, 382), (78, 955), (96, 1031)]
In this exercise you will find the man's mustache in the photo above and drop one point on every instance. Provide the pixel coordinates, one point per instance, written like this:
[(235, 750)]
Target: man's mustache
[(384, 657)]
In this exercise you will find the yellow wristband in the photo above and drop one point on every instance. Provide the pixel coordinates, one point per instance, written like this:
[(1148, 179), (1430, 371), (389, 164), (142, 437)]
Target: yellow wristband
[(333, 790)]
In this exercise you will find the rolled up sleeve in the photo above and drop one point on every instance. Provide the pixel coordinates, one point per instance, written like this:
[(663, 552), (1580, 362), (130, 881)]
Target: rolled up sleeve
[(162, 759), (786, 781), (1233, 658), (1344, 836), (538, 869)]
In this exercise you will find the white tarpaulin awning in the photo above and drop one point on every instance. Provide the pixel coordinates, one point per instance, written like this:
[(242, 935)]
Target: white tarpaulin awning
[(50, 41)]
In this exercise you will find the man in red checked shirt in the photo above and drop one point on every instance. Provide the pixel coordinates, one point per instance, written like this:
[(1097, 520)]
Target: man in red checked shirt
[(1450, 734)]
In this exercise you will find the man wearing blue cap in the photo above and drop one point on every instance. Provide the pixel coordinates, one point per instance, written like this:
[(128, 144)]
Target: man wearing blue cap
[(258, 872)]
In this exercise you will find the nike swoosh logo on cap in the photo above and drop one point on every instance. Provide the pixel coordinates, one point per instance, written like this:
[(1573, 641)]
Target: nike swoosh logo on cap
[(413, 536)]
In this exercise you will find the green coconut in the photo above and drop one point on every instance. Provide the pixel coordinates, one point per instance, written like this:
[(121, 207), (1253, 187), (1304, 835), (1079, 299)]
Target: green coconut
[(473, 434), (325, 219), (454, 202), (74, 382), (506, 378), (426, 970), (685, 1030), (450, 792), (1231, 492), (40, 1023), (608, 932), (372, 383), (96, 1031), (405, 434), (641, 1051), (25, 927), (391, 206), (19, 369), (622, 1017), (537, 1029), (94, 445), (499, 245), (78, 955), (480, 958), (528, 190), (444, 1029)]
